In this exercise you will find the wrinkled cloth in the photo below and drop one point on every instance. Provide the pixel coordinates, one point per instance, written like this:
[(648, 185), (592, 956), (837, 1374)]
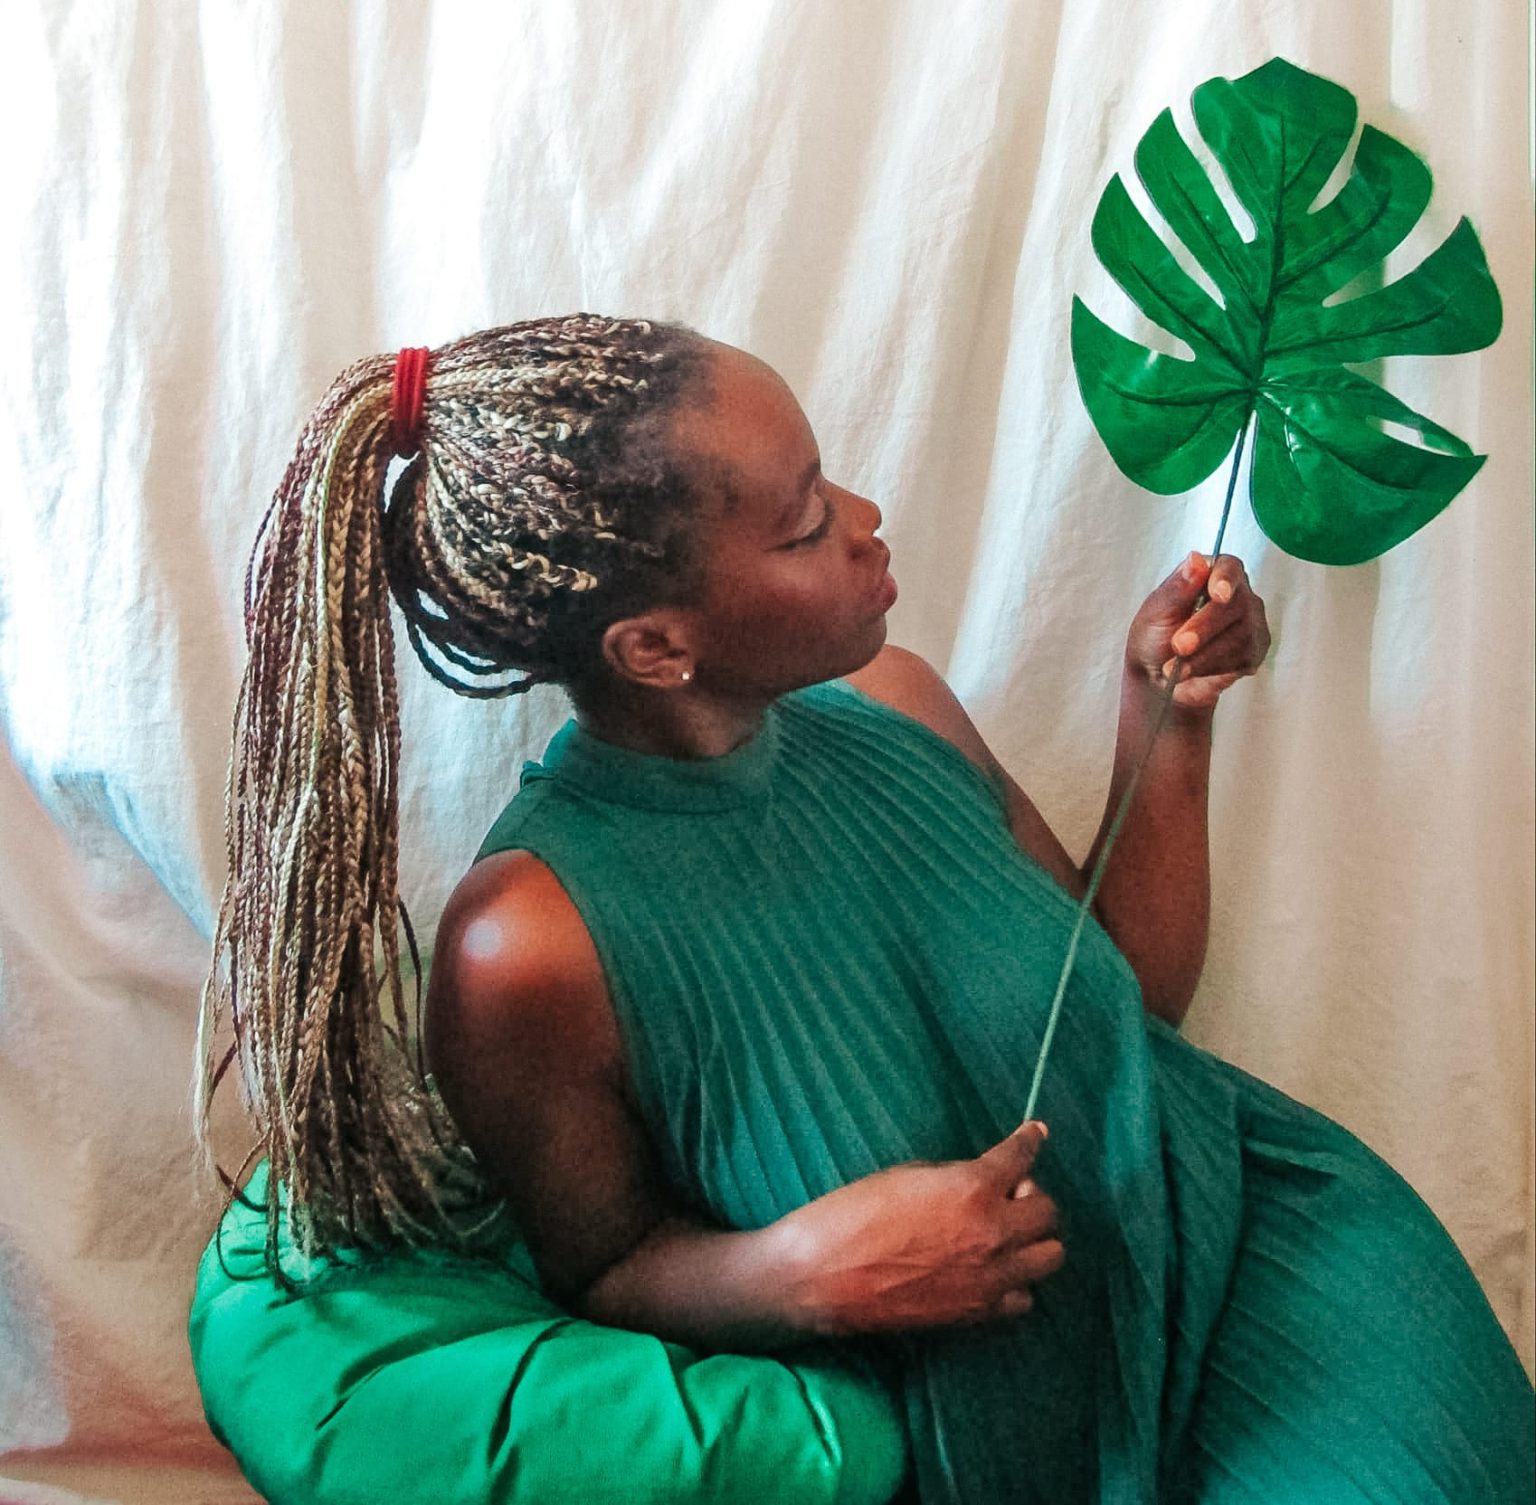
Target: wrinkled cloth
[(463, 1376)]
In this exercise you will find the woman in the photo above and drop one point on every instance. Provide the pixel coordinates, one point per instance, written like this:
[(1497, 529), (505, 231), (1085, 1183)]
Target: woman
[(738, 1005)]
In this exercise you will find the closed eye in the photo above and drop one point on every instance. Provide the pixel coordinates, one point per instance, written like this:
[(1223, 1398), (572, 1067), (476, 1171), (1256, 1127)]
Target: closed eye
[(817, 533)]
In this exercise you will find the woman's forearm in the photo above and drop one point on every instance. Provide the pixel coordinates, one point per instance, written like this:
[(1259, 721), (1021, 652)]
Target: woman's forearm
[(917, 1245), (1154, 899), (708, 1288)]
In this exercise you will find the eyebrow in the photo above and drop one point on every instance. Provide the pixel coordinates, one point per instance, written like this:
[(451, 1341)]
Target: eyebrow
[(791, 510)]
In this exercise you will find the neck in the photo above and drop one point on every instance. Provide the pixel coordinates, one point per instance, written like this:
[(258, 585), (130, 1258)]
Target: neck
[(688, 722)]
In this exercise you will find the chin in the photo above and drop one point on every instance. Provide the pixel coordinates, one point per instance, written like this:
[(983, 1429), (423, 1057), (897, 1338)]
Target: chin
[(865, 653)]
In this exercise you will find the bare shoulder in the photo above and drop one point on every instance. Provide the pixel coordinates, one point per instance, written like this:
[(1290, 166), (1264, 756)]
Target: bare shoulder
[(910, 684), (523, 1042), (513, 960)]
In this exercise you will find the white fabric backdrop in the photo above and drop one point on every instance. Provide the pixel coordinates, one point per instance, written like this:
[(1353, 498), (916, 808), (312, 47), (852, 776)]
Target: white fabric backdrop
[(212, 209)]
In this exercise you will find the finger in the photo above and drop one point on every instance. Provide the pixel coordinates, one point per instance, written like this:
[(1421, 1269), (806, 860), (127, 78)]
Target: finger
[(1179, 592), (1041, 1260), (1031, 1218), (1227, 577), (1012, 1158), (1016, 1302), (1214, 618), (1238, 649)]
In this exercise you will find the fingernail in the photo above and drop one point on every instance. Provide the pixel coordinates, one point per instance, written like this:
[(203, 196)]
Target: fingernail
[(1222, 590), (1192, 567), (1045, 1133), (1185, 643)]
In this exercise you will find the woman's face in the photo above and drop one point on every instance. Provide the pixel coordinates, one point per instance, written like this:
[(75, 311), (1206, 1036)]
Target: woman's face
[(795, 587)]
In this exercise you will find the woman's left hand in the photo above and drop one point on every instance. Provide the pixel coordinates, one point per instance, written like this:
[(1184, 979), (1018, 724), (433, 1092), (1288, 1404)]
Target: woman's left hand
[(1221, 641)]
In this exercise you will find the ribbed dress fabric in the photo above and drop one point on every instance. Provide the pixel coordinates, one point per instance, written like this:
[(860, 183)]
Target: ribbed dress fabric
[(828, 955)]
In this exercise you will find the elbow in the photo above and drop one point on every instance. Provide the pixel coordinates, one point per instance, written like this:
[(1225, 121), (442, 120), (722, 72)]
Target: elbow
[(577, 1298), (588, 1305), (1167, 983), (631, 1290), (1167, 960), (1168, 991), (606, 1296), (612, 1301), (1170, 1008)]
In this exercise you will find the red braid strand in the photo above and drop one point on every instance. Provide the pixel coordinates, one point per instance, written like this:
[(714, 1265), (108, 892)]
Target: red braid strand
[(406, 401)]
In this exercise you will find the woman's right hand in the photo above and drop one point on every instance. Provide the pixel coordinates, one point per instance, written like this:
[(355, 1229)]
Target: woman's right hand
[(925, 1244)]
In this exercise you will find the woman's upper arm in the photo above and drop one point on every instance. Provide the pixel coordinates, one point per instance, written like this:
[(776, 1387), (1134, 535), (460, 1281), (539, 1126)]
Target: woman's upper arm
[(909, 684), (523, 1044)]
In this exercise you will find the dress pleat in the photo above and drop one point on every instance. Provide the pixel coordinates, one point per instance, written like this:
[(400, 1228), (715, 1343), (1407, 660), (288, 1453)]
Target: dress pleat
[(827, 955)]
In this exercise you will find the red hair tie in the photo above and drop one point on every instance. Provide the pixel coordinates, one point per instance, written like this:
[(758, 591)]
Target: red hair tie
[(406, 401)]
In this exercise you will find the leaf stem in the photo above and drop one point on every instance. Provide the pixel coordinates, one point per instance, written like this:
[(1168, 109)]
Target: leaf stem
[(1123, 809)]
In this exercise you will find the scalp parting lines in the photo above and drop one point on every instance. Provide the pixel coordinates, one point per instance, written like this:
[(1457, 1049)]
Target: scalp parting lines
[(540, 486)]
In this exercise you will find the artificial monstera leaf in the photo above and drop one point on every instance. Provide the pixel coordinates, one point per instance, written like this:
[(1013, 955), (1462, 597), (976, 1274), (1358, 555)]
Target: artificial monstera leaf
[(1329, 483)]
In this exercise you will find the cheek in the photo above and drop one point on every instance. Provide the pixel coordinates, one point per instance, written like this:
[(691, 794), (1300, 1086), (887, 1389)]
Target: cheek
[(799, 636), (789, 604), (766, 616), (765, 624)]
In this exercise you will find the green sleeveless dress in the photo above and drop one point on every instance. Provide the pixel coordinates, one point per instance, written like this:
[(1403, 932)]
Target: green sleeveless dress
[(827, 955)]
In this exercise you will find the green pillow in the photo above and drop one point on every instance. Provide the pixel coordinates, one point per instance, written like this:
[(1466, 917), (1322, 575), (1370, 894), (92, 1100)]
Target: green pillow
[(457, 1382)]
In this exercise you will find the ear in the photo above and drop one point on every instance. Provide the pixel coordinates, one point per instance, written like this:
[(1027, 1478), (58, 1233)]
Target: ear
[(652, 649)]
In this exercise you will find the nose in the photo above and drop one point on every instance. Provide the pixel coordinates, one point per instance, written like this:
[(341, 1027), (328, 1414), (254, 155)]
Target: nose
[(868, 515)]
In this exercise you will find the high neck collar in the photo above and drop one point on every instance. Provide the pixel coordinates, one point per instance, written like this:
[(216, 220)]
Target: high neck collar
[(649, 781)]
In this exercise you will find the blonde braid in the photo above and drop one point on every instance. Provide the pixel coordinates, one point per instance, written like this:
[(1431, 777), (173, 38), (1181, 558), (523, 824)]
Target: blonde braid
[(544, 501)]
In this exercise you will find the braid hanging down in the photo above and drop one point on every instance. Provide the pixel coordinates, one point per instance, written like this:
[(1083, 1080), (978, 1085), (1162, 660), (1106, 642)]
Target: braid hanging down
[(543, 504)]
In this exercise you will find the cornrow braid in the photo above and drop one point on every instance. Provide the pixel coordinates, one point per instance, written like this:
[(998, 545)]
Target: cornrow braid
[(544, 502)]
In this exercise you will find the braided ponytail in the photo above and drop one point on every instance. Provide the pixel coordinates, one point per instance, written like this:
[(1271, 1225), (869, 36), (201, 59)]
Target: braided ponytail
[(543, 503)]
